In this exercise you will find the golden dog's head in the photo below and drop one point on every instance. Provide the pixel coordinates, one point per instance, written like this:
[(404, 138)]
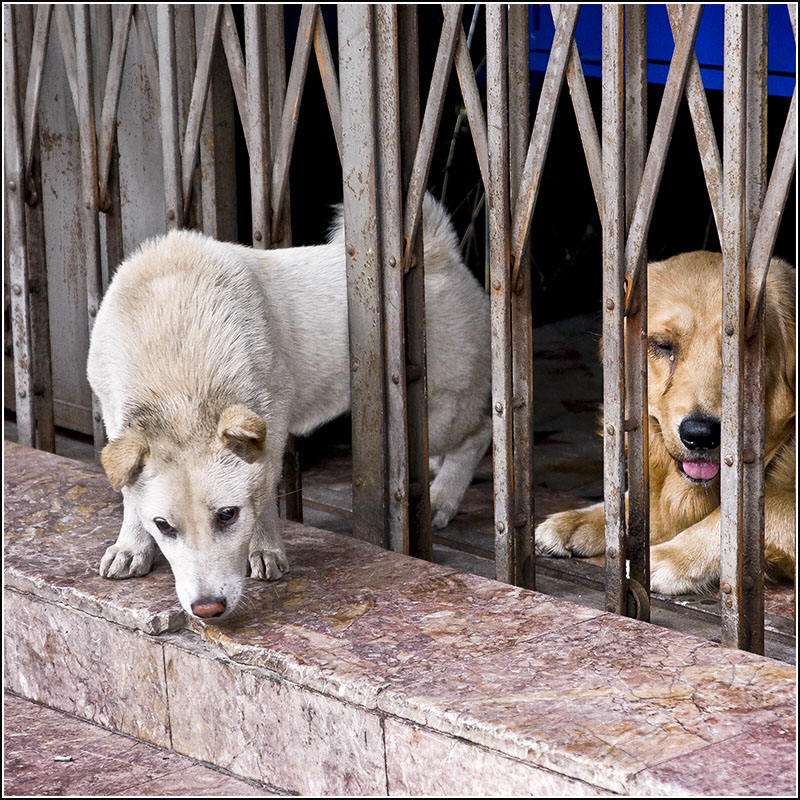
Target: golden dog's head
[(685, 369)]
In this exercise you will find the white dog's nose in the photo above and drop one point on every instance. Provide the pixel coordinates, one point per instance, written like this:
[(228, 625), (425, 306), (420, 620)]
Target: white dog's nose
[(207, 608)]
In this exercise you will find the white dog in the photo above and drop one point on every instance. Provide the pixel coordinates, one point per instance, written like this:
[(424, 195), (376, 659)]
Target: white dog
[(206, 355)]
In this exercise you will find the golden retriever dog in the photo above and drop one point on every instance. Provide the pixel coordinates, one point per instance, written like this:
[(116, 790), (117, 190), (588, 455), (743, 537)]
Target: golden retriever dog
[(684, 401)]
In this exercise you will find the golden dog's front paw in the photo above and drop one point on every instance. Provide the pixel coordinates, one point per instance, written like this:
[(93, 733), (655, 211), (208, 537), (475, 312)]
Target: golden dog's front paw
[(674, 571), (572, 533)]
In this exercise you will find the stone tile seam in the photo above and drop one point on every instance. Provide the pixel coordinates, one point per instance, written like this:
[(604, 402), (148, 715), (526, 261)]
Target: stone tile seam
[(193, 761)]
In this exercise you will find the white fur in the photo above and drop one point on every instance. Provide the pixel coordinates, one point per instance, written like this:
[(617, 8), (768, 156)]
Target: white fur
[(191, 328)]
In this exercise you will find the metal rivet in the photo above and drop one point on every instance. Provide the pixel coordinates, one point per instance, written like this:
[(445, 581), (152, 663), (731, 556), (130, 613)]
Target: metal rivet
[(395, 377), (92, 311), (726, 588), (171, 214), (354, 365), (730, 330), (728, 602), (351, 250), (392, 261), (610, 430), (398, 495), (748, 456), (496, 284), (12, 185), (729, 461), (22, 393), (610, 304), (498, 407), (17, 289), (257, 236), (359, 481), (611, 552), (501, 527)]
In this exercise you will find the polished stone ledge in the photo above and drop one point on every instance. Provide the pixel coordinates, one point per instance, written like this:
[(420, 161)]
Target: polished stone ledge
[(368, 672)]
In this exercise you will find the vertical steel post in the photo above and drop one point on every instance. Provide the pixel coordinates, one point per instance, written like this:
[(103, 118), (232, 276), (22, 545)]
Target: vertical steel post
[(613, 138), (500, 291), (637, 544), (521, 310), (420, 540), (733, 250), (362, 253), (168, 93)]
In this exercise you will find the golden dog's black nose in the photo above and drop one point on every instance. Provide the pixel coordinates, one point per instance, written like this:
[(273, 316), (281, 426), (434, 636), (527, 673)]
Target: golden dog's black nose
[(207, 608), (700, 433)]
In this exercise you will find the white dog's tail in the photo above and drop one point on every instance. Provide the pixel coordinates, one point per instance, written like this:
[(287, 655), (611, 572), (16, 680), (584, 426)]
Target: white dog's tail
[(439, 235)]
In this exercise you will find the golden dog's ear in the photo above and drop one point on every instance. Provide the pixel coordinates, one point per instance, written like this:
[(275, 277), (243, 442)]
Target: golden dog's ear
[(123, 458), (243, 431)]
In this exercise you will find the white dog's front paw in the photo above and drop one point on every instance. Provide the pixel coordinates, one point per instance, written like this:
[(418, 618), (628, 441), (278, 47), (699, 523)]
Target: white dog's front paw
[(442, 509), (268, 563), (121, 561)]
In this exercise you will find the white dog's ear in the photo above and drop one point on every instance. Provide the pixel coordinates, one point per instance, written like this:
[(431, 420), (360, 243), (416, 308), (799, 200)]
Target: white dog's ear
[(243, 431), (123, 458)]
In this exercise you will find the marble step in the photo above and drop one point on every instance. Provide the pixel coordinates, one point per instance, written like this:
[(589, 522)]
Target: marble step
[(367, 672)]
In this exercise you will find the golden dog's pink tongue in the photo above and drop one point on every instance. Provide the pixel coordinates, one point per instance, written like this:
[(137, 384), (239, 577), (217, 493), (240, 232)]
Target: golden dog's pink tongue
[(700, 470)]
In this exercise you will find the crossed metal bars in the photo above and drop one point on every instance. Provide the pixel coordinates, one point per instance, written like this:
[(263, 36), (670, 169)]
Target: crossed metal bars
[(386, 146)]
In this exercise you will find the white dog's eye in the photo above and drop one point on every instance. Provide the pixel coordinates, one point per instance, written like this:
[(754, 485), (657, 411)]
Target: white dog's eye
[(164, 526), (227, 514)]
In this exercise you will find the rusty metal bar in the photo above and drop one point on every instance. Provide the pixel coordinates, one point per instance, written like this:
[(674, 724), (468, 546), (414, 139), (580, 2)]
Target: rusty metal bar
[(540, 136), (282, 149), (585, 118), (430, 120), (521, 309), (733, 272), (662, 135), (17, 244), (66, 39), (168, 91), (197, 104), (473, 104), (91, 223), (362, 247), (420, 537), (613, 305), (500, 293), (110, 104), (236, 65), (390, 207), (637, 544), (330, 83), (703, 126), (148, 46), (38, 48), (276, 72), (772, 209)]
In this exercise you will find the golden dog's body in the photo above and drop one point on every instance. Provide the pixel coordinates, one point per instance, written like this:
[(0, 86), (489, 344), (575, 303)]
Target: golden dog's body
[(684, 400)]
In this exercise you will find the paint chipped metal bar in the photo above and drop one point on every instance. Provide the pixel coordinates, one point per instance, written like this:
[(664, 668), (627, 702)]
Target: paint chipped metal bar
[(236, 64), (390, 208), (733, 271), (780, 182), (197, 103), (500, 292), (17, 244), (637, 542), (330, 83), (360, 187), (431, 117), (521, 309), (282, 149), (662, 135), (148, 47), (110, 104), (66, 38), (168, 90), (613, 305), (89, 196), (33, 87), (420, 537), (703, 126), (540, 136)]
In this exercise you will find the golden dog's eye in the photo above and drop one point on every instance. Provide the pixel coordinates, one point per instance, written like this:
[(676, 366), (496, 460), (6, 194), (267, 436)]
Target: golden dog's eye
[(227, 514), (662, 348), (164, 526)]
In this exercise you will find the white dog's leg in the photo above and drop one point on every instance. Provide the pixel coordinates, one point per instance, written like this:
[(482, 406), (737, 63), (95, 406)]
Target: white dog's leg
[(267, 555), (132, 554), (455, 474)]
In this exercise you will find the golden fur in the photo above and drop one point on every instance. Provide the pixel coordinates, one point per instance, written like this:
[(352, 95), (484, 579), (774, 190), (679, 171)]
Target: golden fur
[(684, 399)]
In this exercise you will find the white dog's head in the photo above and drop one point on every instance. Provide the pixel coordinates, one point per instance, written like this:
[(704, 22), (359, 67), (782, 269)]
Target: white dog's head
[(200, 498)]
